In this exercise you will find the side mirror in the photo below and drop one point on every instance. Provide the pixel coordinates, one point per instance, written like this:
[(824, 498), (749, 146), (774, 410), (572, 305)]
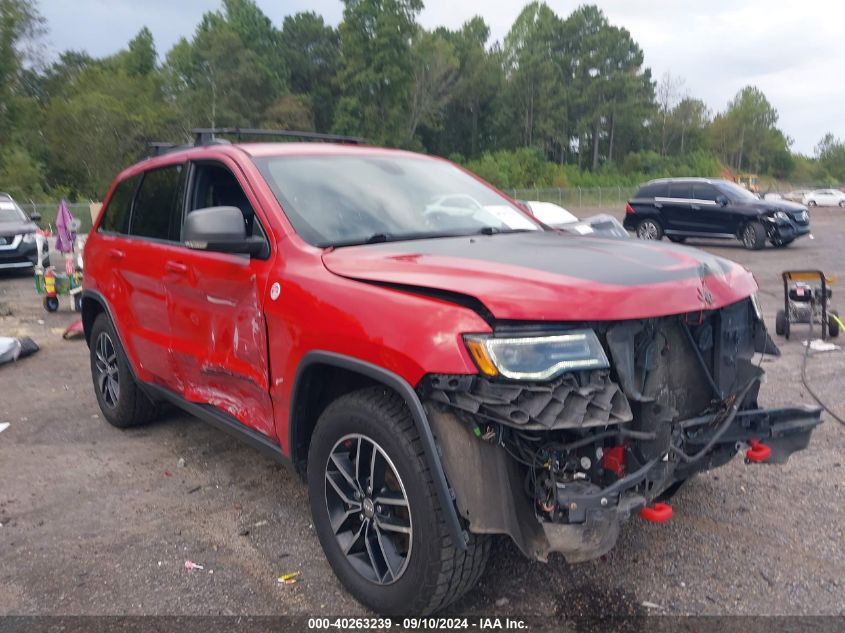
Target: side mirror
[(722, 201), (35, 217), (221, 230)]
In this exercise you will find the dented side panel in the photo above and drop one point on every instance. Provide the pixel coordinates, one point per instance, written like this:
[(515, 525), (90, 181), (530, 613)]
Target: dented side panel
[(219, 337)]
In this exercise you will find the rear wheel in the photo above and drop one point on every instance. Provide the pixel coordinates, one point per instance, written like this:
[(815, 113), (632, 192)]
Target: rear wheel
[(754, 236), (376, 511), (832, 324), (121, 400), (782, 324), (649, 229), (842, 203)]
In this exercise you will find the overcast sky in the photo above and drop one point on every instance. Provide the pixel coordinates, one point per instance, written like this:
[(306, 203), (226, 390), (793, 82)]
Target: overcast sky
[(793, 51)]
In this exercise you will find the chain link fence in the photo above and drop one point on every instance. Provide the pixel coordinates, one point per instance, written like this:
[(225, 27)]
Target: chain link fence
[(48, 212), (607, 198)]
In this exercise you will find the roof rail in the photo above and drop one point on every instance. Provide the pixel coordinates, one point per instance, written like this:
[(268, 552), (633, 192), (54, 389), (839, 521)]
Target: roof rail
[(207, 136)]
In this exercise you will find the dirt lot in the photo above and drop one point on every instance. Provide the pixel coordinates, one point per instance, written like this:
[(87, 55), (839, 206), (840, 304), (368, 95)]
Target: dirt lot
[(101, 521)]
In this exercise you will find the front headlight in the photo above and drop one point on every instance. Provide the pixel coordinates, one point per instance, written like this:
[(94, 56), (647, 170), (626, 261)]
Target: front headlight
[(29, 238), (781, 215), (537, 357)]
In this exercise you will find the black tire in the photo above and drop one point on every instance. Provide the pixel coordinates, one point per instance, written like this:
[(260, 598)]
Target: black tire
[(434, 571), (753, 236), (842, 203), (781, 324), (649, 229), (832, 324), (77, 302), (126, 405), (811, 203), (51, 304), (677, 239)]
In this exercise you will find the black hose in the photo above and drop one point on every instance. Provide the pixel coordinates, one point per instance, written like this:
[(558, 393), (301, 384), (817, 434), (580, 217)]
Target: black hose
[(806, 382), (691, 459)]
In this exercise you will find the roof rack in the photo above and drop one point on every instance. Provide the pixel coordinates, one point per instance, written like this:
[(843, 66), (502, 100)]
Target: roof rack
[(208, 136)]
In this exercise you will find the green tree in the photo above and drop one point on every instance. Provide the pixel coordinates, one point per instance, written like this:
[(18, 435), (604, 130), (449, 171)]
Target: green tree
[(376, 71), (434, 66), (830, 152), (312, 52), (746, 134), (20, 25)]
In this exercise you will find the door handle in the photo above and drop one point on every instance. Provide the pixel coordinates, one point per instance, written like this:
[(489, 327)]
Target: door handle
[(176, 267), (695, 207), (658, 205), (116, 253)]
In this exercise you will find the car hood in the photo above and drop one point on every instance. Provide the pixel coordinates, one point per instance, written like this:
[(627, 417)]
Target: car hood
[(778, 205), (547, 276), (16, 228)]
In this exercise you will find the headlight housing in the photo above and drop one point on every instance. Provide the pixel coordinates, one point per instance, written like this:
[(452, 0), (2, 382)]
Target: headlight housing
[(537, 357), (781, 215), (29, 238)]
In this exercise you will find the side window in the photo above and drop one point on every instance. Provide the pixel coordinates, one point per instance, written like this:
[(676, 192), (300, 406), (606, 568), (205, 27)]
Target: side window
[(703, 191), (680, 190), (158, 206), (116, 214), (656, 190), (213, 185)]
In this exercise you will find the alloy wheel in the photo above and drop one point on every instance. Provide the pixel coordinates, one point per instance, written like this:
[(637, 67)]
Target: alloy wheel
[(108, 378), (647, 230), (368, 509), (748, 236)]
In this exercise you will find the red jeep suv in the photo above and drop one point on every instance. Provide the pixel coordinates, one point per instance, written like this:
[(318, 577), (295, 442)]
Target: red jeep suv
[(438, 366)]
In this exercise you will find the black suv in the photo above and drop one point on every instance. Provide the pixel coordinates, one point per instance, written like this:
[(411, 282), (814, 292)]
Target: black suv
[(697, 207), (18, 247)]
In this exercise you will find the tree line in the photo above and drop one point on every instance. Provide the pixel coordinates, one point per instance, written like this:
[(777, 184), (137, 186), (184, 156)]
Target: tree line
[(561, 101)]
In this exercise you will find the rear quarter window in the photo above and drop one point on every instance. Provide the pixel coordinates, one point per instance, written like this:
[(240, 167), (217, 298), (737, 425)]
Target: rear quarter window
[(116, 214), (655, 190)]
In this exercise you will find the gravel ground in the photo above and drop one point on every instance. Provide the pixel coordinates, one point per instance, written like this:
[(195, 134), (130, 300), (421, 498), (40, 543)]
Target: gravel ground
[(101, 521)]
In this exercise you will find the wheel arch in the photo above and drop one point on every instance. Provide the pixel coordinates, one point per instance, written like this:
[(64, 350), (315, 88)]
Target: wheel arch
[(322, 373), (93, 304)]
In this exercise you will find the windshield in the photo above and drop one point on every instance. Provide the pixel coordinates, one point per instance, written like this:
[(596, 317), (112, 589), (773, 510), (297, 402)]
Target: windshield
[(11, 212), (341, 200), (735, 192)]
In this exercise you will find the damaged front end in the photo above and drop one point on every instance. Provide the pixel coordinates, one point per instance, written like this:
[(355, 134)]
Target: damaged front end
[(558, 455)]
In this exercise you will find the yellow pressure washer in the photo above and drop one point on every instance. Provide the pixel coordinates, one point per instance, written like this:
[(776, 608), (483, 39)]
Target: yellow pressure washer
[(806, 295)]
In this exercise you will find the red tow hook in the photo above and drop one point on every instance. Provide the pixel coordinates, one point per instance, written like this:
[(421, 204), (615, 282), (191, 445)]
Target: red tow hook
[(658, 513), (758, 452)]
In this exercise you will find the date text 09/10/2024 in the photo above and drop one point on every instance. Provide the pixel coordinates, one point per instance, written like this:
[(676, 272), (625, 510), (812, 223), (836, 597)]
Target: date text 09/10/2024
[(430, 624)]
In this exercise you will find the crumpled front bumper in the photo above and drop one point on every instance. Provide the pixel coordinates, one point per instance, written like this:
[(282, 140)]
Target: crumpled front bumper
[(589, 523), (489, 488)]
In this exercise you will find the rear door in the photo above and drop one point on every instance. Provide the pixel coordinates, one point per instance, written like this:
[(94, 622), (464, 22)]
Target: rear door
[(216, 312), (139, 265), (676, 208)]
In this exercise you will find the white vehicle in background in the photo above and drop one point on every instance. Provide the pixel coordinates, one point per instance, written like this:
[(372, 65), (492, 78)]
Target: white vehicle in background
[(555, 216), (796, 195), (824, 198)]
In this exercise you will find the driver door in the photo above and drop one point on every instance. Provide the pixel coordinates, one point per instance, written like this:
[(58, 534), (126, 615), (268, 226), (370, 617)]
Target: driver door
[(219, 335)]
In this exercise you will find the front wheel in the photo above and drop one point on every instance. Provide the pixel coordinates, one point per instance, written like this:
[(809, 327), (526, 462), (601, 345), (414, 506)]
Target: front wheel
[(376, 511), (51, 304), (754, 236), (649, 229)]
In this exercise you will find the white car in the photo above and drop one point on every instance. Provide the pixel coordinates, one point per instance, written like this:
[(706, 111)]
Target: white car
[(824, 198)]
